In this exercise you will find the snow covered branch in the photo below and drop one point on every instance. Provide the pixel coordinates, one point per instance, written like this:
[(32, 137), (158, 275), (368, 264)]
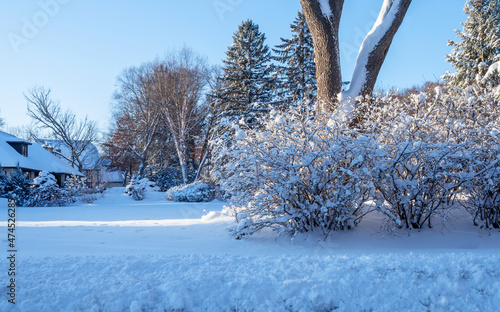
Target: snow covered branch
[(375, 47)]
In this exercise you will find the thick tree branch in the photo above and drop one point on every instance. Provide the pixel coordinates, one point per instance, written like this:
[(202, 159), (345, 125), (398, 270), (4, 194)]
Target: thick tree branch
[(375, 47)]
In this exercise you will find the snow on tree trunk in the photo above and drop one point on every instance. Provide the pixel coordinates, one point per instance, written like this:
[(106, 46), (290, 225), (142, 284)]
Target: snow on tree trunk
[(323, 17), (180, 148), (375, 47)]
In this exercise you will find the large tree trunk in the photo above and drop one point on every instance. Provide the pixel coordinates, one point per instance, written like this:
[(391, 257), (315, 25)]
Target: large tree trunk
[(323, 18), (323, 22), (375, 47)]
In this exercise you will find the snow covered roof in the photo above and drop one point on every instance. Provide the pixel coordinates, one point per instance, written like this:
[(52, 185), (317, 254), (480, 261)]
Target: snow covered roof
[(10, 138), (38, 158), (90, 156)]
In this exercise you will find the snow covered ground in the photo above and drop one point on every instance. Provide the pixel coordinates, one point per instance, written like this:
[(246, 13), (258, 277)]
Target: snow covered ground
[(154, 255)]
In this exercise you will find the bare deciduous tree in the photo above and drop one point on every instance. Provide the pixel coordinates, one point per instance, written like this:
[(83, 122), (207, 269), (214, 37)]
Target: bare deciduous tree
[(180, 80), (136, 107), (75, 134), (158, 105), (323, 19)]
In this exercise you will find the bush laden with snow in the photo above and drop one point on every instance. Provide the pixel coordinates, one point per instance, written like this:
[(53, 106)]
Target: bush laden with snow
[(73, 182), (17, 186), (77, 188), (296, 176), (414, 155), (483, 186), (195, 192), (167, 177), (433, 146), (138, 188), (417, 181), (46, 193), (4, 184)]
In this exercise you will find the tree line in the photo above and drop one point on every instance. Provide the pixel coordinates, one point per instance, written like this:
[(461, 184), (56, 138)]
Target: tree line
[(167, 112), (177, 119)]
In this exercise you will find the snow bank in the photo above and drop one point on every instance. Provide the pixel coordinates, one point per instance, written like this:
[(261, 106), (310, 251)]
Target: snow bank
[(390, 282), (121, 255)]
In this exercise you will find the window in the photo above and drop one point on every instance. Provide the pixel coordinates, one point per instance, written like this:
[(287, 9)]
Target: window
[(20, 147)]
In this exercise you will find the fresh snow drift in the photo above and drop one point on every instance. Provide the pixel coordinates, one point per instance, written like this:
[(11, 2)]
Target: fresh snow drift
[(121, 255)]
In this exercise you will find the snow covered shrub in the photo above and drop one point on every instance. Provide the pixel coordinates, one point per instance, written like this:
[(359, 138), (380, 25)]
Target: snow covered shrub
[(18, 186), (46, 193), (137, 189), (483, 187), (428, 143), (484, 201), (195, 192), (296, 175), (4, 184), (417, 181), (74, 184), (167, 177), (77, 187)]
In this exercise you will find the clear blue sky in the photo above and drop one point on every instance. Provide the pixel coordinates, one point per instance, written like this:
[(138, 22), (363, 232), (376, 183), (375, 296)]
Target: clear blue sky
[(78, 48)]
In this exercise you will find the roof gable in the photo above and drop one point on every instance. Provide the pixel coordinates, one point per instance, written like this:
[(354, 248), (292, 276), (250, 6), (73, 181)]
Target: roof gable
[(90, 157), (38, 158)]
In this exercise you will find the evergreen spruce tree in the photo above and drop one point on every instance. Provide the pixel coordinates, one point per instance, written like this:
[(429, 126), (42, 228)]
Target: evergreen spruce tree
[(18, 186), (297, 71), (245, 87), (243, 92), (479, 46)]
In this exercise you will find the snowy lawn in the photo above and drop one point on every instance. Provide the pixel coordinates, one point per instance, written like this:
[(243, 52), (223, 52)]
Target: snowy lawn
[(154, 255)]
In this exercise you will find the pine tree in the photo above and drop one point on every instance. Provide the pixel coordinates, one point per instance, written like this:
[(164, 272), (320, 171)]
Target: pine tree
[(242, 92), (297, 72), (19, 186), (245, 87), (480, 43)]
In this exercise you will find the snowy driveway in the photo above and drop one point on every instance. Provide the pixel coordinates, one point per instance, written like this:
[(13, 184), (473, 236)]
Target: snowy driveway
[(121, 255)]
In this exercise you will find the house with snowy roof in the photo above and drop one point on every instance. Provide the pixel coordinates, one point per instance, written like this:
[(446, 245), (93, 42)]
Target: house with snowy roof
[(93, 167), (31, 158)]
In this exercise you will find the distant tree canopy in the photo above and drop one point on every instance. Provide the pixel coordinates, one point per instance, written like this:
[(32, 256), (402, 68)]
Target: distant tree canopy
[(2, 122), (158, 113)]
